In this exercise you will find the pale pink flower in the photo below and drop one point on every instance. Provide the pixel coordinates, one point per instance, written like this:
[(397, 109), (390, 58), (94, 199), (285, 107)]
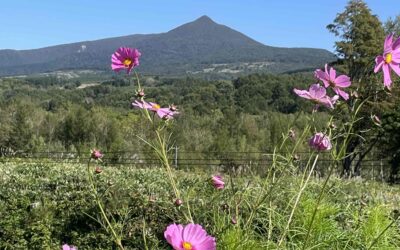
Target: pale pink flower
[(141, 104), (317, 94), (217, 182), (320, 142), (125, 58), (164, 113), (328, 77), (189, 237), (67, 247), (389, 60)]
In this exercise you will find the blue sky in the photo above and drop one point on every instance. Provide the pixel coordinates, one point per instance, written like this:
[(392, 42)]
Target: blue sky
[(27, 24)]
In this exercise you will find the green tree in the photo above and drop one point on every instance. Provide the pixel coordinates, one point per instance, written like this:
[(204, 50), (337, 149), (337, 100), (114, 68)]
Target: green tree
[(361, 40), (392, 25), (361, 35)]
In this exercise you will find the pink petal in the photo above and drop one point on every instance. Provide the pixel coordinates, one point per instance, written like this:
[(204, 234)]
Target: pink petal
[(164, 113), (173, 235), (387, 81), (396, 44), (317, 91), (302, 93), (208, 244), (193, 233), (332, 74), (388, 43), (395, 68), (396, 56), (343, 94), (343, 81), (321, 75), (379, 61), (326, 101)]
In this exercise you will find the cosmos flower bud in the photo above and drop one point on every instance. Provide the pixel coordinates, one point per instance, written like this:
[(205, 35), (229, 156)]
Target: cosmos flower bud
[(178, 202), (98, 170), (320, 142), (292, 134), (233, 221), (140, 93), (376, 120), (173, 108)]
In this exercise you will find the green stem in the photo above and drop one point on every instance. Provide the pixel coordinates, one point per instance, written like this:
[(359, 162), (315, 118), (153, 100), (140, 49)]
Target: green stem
[(164, 159), (115, 236), (297, 201), (382, 233), (316, 207)]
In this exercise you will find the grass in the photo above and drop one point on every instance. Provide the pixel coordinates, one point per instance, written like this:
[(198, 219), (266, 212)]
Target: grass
[(43, 205)]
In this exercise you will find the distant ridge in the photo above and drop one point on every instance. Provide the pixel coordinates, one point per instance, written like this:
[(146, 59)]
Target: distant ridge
[(200, 46)]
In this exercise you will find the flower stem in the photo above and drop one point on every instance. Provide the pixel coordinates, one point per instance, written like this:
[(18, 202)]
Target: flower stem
[(162, 153), (297, 200), (316, 207), (99, 204)]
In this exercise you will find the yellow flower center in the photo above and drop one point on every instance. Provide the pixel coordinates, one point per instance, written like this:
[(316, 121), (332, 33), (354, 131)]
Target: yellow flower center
[(156, 106), (388, 58), (187, 246), (127, 62)]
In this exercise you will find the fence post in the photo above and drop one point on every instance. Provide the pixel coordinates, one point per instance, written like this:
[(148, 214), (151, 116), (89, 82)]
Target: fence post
[(176, 157)]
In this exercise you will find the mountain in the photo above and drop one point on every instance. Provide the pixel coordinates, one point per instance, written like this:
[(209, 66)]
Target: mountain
[(201, 46)]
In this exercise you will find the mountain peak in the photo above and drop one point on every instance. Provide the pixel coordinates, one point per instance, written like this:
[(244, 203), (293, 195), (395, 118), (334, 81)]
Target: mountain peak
[(204, 19)]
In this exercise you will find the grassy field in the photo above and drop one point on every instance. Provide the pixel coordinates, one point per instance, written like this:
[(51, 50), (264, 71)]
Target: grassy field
[(45, 205)]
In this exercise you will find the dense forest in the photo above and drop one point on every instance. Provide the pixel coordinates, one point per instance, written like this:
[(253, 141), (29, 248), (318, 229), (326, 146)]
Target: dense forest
[(247, 114)]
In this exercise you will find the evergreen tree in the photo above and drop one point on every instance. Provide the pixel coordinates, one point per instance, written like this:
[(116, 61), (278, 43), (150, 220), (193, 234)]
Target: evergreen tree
[(361, 35), (361, 40)]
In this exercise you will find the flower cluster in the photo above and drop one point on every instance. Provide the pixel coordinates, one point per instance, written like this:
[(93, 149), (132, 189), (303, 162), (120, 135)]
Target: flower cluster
[(390, 59), (128, 58), (317, 93)]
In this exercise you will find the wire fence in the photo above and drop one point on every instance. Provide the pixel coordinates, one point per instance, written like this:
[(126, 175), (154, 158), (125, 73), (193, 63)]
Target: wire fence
[(239, 162)]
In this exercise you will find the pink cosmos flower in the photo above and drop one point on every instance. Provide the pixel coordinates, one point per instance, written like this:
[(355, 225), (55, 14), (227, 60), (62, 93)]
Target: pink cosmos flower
[(389, 60), (164, 113), (67, 247), (217, 182), (320, 142), (317, 94), (328, 77), (125, 58), (189, 237), (96, 154)]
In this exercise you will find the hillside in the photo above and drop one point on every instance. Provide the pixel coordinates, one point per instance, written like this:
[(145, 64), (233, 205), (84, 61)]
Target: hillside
[(201, 46)]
